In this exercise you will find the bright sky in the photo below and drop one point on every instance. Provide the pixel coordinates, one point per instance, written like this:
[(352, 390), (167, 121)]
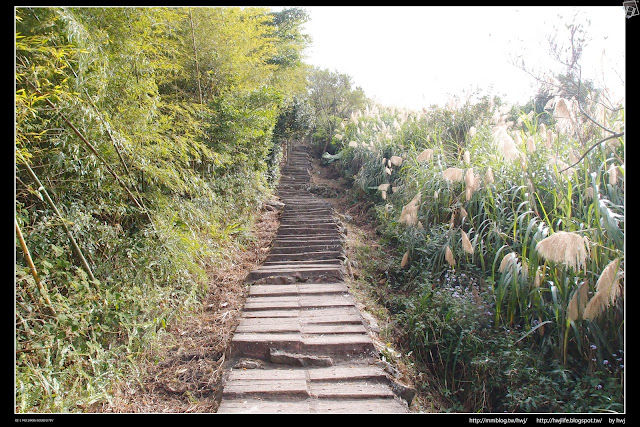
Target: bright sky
[(418, 56)]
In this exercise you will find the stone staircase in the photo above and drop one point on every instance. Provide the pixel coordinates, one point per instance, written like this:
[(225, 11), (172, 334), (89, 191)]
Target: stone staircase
[(301, 344)]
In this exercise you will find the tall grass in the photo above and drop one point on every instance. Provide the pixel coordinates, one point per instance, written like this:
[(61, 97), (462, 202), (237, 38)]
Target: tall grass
[(492, 192)]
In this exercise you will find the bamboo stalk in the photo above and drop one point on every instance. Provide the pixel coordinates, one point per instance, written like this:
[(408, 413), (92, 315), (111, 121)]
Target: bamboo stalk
[(117, 150), (113, 140), (74, 244), (195, 53), (34, 272), (95, 152)]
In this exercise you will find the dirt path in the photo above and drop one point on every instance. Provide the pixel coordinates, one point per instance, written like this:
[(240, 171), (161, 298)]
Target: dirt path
[(302, 344)]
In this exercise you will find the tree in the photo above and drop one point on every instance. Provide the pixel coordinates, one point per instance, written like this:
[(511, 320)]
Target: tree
[(334, 100)]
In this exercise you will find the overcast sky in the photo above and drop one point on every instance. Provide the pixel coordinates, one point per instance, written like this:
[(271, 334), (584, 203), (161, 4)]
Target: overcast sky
[(417, 56)]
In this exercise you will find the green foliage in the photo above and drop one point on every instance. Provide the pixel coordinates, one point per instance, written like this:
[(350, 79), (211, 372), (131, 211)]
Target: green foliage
[(488, 359), (333, 100), (129, 80)]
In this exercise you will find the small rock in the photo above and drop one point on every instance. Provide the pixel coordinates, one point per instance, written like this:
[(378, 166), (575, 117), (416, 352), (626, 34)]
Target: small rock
[(405, 392), (295, 359), (249, 364)]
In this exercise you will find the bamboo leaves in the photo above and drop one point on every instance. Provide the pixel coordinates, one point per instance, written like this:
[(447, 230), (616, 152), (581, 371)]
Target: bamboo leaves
[(152, 129)]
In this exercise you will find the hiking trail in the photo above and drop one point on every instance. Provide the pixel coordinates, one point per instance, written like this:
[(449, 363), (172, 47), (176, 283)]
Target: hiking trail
[(301, 345)]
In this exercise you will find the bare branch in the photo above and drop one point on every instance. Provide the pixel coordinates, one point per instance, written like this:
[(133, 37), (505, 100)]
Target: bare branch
[(615, 135)]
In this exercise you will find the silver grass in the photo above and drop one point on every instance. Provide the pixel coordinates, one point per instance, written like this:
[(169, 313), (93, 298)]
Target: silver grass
[(426, 155), (405, 260), (452, 174), (578, 302), (466, 244), (549, 141), (607, 290), (570, 249), (472, 183), (409, 214), (511, 257), (448, 255)]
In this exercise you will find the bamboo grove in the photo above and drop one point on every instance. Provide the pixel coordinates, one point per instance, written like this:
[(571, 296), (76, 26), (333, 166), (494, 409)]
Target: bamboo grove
[(145, 139)]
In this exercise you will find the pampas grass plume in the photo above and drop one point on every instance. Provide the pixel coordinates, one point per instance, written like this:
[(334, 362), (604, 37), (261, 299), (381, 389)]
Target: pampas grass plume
[(452, 174), (395, 161), (409, 214), (607, 290), (510, 257), (426, 155), (588, 193), (578, 302), (564, 247), (613, 174), (488, 176), (531, 145), (542, 130), (448, 255), (562, 110), (466, 244), (405, 260)]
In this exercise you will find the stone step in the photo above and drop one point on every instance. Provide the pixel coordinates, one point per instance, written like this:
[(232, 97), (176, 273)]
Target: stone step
[(308, 225), (338, 346), (300, 301), (297, 289), (300, 320), (286, 275), (304, 256), (303, 263)]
